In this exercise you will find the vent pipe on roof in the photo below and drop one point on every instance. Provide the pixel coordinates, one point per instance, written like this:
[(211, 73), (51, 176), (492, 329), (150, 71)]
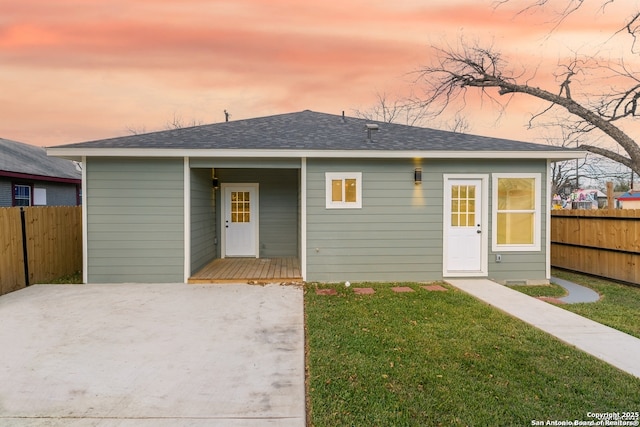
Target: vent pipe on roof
[(371, 127), (226, 116), (344, 120)]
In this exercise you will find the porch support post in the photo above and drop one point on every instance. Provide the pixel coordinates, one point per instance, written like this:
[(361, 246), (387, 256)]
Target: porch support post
[(85, 229), (187, 220), (303, 218)]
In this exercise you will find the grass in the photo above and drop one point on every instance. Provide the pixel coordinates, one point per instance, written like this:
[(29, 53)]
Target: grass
[(72, 279), (551, 290), (444, 358), (618, 307)]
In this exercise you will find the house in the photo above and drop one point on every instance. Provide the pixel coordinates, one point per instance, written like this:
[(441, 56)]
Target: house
[(629, 200), (28, 177), (345, 198), (590, 198)]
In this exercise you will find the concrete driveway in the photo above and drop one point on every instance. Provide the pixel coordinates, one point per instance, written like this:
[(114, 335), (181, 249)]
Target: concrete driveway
[(152, 355)]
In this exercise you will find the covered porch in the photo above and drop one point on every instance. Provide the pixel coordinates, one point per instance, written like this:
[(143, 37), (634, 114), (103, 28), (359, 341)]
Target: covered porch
[(245, 270), (245, 221)]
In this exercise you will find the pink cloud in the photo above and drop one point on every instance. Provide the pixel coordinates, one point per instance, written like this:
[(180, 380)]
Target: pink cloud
[(102, 65)]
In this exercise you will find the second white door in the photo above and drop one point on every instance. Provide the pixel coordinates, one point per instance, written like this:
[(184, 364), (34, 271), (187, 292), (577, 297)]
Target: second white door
[(465, 248)]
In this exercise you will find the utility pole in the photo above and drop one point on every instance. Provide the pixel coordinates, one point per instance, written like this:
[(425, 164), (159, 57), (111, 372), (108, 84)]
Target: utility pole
[(577, 167)]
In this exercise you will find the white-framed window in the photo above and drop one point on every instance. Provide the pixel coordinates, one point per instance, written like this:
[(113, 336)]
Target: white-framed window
[(343, 190), (516, 212), (21, 195)]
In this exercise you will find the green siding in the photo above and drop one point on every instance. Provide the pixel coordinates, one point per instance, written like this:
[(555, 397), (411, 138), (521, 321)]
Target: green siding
[(278, 195), (136, 230), (397, 235), (203, 219), (135, 220), (394, 236), (515, 266)]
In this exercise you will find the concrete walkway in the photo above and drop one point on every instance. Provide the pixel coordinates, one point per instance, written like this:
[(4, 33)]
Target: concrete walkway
[(148, 355), (614, 347), (576, 293)]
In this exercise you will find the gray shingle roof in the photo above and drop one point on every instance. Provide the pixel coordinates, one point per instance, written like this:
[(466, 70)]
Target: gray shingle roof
[(308, 130), (31, 160)]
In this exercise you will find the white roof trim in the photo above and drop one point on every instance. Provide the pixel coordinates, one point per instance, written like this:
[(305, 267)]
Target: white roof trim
[(386, 154)]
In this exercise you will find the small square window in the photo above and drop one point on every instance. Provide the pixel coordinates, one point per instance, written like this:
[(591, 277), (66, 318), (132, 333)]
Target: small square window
[(343, 190)]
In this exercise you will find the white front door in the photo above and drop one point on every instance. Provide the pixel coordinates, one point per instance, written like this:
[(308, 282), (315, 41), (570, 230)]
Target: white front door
[(465, 244), (240, 232)]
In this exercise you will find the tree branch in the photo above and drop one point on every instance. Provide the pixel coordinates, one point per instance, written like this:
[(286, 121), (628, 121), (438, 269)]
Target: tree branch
[(475, 67), (609, 154)]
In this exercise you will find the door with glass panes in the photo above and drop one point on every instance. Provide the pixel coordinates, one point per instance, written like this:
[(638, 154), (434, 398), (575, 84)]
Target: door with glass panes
[(463, 222), (240, 220)]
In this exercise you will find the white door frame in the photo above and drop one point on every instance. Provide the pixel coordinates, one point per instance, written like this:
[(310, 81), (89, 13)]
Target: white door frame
[(484, 225), (223, 213)]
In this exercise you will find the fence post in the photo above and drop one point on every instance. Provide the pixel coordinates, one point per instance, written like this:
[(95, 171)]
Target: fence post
[(25, 254)]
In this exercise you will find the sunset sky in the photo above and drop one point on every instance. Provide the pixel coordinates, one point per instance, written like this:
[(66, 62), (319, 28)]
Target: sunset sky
[(76, 70)]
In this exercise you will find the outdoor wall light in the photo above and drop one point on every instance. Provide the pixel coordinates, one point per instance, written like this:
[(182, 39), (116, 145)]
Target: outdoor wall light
[(215, 182), (417, 176)]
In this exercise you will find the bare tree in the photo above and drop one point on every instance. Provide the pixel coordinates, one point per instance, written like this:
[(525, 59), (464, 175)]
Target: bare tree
[(394, 110), (410, 111), (592, 171), (565, 175), (134, 130), (484, 69), (178, 123), (563, 178), (458, 124)]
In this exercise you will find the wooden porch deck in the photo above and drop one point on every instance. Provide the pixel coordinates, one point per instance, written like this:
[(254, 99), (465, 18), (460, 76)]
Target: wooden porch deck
[(244, 270)]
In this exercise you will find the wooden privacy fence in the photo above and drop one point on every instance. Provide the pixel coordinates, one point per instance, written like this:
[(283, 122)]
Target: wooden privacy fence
[(54, 244), (601, 242)]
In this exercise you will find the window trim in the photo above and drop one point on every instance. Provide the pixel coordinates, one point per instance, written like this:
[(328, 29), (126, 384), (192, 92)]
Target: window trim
[(537, 214), (331, 176), (13, 193)]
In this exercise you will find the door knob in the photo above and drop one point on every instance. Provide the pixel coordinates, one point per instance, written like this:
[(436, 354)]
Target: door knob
[(479, 231)]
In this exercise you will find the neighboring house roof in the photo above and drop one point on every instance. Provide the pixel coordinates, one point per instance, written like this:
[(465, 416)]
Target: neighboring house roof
[(26, 161), (629, 195), (308, 132)]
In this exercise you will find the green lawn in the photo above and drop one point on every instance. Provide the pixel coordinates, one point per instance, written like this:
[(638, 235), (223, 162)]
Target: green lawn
[(551, 290), (619, 305), (444, 358)]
